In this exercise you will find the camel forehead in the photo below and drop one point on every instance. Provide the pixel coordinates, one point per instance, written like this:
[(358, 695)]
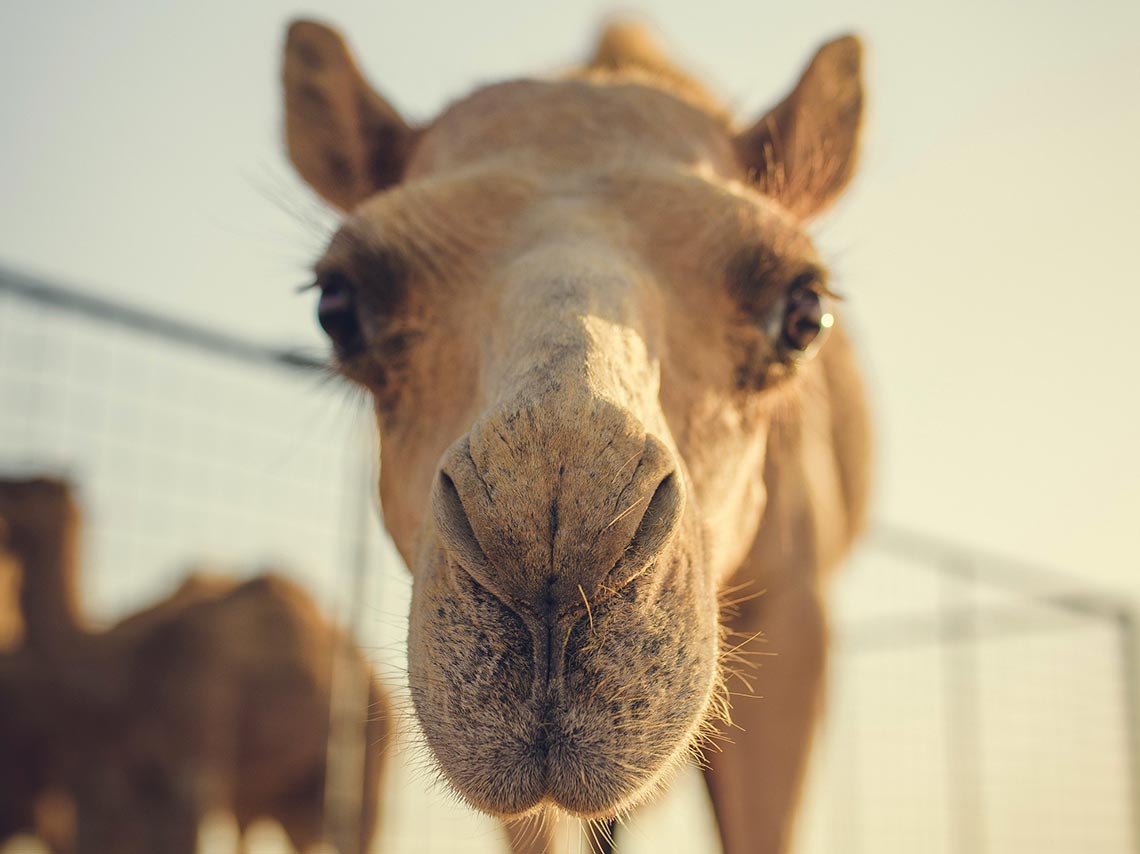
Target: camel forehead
[(575, 122), (665, 207)]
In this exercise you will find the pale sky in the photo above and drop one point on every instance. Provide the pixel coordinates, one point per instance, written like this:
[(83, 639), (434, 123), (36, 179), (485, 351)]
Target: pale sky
[(986, 249)]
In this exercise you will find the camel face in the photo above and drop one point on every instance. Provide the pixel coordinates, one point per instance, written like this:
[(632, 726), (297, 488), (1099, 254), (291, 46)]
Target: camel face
[(577, 318)]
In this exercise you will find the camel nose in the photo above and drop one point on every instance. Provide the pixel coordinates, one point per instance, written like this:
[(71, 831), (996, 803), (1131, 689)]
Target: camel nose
[(544, 544)]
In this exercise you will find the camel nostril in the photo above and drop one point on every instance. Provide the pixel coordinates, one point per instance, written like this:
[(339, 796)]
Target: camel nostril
[(455, 525), (654, 532)]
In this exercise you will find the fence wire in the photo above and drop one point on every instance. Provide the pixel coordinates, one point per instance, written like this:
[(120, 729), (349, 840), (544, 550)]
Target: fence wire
[(976, 706)]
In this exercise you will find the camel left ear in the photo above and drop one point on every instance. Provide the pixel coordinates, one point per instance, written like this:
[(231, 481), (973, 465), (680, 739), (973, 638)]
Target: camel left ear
[(345, 140), (804, 151)]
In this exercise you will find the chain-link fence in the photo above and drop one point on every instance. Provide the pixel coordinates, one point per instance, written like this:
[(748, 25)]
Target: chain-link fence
[(976, 706)]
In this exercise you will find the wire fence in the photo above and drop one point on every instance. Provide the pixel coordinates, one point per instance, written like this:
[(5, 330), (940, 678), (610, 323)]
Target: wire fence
[(976, 706)]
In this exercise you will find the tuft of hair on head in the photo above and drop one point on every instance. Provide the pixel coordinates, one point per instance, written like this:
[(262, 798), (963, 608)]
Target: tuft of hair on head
[(626, 47)]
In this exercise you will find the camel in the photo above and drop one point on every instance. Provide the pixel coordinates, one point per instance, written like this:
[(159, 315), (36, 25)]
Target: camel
[(615, 444), (216, 697), (36, 528)]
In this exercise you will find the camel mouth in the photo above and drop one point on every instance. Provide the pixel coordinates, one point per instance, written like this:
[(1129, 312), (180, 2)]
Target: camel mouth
[(562, 767), (592, 730)]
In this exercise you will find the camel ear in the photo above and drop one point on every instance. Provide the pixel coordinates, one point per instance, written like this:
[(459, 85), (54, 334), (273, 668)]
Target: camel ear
[(345, 140), (804, 151)]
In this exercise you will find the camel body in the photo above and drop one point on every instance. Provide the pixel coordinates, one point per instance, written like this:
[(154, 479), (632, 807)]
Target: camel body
[(217, 697)]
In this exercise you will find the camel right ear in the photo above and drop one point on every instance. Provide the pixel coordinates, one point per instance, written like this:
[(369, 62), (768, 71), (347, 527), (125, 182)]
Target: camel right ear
[(804, 151), (345, 140)]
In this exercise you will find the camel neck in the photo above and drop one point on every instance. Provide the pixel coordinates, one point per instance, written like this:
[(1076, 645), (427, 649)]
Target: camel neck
[(48, 600)]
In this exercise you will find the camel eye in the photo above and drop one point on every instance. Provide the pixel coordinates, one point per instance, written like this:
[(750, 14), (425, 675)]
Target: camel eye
[(337, 314), (807, 318)]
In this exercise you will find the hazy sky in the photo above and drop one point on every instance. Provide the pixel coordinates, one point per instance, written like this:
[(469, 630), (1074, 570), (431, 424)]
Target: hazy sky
[(987, 248)]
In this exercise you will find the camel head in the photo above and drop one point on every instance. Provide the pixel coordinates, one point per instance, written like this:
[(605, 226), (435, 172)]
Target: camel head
[(579, 305)]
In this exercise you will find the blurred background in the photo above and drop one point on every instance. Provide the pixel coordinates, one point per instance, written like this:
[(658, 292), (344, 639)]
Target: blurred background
[(983, 679)]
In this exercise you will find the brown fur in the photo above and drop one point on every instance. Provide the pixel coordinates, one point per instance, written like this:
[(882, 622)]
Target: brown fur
[(568, 311), (11, 619), (216, 697)]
